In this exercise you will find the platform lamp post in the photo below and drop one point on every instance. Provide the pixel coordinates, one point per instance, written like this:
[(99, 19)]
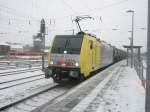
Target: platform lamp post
[(128, 52), (132, 34)]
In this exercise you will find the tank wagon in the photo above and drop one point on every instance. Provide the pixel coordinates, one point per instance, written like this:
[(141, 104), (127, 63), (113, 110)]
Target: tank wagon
[(75, 57)]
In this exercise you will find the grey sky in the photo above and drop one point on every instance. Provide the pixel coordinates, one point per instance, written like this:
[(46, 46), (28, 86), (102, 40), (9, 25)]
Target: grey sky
[(15, 16)]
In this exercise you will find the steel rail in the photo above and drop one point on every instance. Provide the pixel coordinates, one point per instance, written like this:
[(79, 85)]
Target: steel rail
[(20, 79), (18, 72), (20, 83), (26, 98)]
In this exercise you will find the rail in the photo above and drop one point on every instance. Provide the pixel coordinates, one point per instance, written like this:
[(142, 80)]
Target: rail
[(26, 98), (19, 71)]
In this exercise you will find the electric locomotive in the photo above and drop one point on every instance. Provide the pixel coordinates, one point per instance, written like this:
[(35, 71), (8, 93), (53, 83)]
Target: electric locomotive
[(75, 57)]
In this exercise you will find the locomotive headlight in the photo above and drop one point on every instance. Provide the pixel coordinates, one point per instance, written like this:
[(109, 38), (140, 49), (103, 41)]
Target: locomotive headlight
[(51, 62), (65, 52), (76, 64)]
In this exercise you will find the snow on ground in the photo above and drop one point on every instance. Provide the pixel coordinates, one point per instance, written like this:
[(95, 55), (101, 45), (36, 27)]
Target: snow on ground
[(13, 93), (120, 91), (18, 69), (126, 95), (19, 76), (19, 91), (10, 95), (123, 93)]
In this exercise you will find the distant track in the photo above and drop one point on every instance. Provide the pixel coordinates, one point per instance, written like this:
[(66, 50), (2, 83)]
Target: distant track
[(7, 68), (21, 79), (19, 71), (3, 67), (21, 83)]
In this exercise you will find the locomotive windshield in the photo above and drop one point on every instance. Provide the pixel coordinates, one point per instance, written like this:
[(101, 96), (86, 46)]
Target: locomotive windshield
[(69, 43)]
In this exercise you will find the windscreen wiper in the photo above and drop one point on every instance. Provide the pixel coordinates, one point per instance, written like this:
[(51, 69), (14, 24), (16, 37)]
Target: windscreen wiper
[(67, 44)]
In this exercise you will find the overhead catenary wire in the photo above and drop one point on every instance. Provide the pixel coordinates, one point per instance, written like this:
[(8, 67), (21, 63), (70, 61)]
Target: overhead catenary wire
[(15, 24), (85, 4), (12, 11), (92, 10), (107, 6), (19, 16), (66, 4), (30, 21)]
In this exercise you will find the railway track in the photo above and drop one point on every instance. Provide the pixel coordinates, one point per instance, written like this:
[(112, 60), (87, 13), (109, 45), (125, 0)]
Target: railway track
[(35, 99), (15, 65), (20, 81), (19, 71), (7, 67)]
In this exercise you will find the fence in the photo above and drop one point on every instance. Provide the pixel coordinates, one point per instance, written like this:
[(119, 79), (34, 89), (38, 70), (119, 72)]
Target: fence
[(141, 70)]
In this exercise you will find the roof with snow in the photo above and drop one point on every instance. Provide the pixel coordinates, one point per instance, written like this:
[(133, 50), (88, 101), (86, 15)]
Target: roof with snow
[(3, 43), (16, 46)]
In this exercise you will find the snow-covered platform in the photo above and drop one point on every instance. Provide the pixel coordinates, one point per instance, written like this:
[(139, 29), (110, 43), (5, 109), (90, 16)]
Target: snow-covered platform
[(116, 89)]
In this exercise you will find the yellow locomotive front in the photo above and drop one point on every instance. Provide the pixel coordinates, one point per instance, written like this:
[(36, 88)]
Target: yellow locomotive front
[(64, 58)]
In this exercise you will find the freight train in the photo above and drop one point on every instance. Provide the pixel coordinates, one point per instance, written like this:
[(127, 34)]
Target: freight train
[(75, 57)]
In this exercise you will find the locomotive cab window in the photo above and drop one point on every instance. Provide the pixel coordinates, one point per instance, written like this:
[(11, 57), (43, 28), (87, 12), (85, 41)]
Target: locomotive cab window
[(69, 43)]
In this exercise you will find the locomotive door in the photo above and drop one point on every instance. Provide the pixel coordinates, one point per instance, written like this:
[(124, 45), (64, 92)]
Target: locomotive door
[(92, 47), (94, 55)]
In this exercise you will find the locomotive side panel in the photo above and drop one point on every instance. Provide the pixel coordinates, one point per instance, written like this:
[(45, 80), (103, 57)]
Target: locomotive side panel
[(106, 55), (89, 55)]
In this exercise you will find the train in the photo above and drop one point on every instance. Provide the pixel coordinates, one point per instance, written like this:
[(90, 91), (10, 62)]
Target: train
[(76, 57)]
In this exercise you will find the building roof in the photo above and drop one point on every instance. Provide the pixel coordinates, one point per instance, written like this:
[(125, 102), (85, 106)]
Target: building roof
[(16, 46), (3, 43)]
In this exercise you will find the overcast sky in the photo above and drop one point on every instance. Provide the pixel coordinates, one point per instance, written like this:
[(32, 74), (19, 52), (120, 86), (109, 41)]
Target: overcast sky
[(20, 19)]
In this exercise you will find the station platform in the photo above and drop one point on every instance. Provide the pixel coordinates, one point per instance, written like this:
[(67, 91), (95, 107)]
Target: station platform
[(115, 89)]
